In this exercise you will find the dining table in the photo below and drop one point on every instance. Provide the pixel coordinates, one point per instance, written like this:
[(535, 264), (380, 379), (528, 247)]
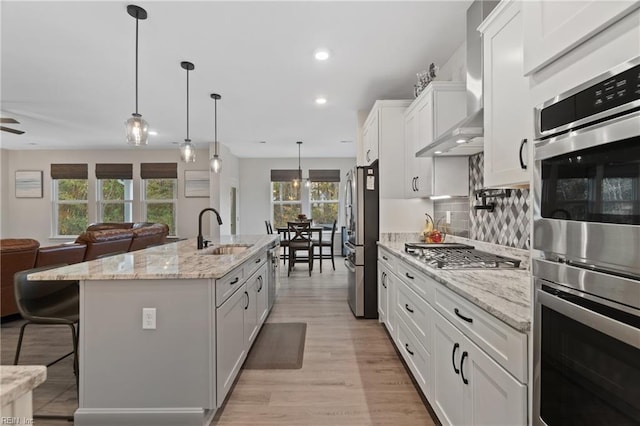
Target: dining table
[(283, 231)]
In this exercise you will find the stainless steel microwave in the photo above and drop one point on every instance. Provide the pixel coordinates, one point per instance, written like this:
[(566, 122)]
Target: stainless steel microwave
[(587, 173)]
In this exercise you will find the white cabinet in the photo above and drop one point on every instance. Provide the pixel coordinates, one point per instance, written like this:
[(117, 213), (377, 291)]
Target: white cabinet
[(383, 298), (383, 136), (508, 120), (230, 341), (238, 320), (441, 105), (552, 28), (370, 138), (387, 290), (469, 387)]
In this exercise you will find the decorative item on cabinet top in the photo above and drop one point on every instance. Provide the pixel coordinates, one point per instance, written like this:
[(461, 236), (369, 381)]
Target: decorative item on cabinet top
[(424, 78)]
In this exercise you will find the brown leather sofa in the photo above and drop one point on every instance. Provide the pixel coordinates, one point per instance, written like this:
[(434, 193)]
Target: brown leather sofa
[(15, 255), (98, 240)]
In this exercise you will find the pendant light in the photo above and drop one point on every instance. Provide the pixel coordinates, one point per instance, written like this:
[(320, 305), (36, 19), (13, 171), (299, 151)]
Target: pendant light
[(136, 127), (298, 179), (216, 162), (187, 149)]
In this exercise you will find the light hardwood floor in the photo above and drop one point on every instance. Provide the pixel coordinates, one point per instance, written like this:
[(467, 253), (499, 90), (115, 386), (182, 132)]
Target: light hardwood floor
[(351, 374)]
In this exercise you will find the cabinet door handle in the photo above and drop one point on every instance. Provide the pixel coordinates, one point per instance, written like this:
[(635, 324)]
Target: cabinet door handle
[(385, 257), (467, 319), (234, 281), (417, 180), (453, 357), (368, 159), (260, 288), (522, 144), (409, 276), (258, 260), (406, 347), (464, 355), (384, 279), (246, 294), (406, 306)]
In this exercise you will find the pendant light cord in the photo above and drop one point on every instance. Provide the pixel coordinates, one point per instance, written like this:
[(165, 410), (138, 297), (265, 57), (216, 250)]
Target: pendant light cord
[(215, 127), (136, 63), (187, 104)]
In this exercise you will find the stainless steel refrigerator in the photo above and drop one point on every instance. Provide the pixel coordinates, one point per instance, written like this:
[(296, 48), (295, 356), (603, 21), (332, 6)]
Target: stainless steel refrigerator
[(361, 218)]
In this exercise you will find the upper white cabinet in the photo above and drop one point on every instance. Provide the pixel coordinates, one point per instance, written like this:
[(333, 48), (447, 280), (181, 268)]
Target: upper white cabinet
[(552, 28), (508, 120), (370, 138), (441, 105), (383, 137)]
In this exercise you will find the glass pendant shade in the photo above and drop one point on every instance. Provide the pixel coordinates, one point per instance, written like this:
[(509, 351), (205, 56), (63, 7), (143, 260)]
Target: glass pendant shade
[(216, 163), (187, 151), (137, 130)]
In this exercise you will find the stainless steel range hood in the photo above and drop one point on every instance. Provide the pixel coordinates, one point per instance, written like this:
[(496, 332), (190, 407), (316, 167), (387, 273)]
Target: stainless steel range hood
[(465, 138)]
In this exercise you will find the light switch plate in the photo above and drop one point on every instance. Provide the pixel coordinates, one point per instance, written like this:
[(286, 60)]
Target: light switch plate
[(448, 217), (148, 318)]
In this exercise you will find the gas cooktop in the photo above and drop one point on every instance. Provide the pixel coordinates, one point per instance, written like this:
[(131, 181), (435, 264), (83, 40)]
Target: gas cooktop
[(458, 256)]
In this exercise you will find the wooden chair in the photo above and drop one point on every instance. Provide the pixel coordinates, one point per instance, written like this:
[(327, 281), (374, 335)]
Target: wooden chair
[(267, 224), (299, 240), (320, 255)]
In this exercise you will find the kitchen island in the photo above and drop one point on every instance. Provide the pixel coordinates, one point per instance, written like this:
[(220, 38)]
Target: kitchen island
[(164, 331)]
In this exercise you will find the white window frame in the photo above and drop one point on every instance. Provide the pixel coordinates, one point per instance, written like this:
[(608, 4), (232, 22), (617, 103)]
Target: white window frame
[(332, 201), (55, 202), (145, 202), (279, 203), (129, 202)]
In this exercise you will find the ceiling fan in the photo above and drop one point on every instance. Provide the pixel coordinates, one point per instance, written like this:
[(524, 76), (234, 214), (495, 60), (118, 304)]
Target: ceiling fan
[(8, 129)]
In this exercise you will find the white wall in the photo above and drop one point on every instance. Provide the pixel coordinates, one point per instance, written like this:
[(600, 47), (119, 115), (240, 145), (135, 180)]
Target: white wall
[(255, 186), (221, 189), (455, 69), (31, 217)]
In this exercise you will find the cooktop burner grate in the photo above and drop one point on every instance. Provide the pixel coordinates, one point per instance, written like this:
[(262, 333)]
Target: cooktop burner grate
[(459, 256)]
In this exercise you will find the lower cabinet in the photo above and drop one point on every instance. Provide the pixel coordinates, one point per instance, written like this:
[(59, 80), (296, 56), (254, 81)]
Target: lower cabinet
[(230, 341), (469, 387), (465, 384), (238, 321)]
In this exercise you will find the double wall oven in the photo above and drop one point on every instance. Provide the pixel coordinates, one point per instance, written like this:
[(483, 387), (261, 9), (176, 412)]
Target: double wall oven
[(586, 326)]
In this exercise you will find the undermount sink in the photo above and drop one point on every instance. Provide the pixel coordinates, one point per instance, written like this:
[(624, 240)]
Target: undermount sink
[(226, 249)]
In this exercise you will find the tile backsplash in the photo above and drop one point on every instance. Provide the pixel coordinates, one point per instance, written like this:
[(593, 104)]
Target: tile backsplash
[(507, 225)]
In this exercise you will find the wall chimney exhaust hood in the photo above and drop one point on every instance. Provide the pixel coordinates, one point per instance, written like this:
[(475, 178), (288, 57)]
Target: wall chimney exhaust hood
[(465, 138)]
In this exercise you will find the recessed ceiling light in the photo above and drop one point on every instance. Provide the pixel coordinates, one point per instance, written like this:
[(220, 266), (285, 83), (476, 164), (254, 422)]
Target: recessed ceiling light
[(346, 141), (322, 54), (461, 141), (321, 101), (153, 132), (32, 143), (438, 152), (262, 142)]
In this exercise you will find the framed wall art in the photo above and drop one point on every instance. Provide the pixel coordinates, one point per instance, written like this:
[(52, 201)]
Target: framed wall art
[(196, 183), (28, 183)]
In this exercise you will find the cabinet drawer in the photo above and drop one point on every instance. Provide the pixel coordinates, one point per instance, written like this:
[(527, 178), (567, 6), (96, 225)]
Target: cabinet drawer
[(505, 345), (416, 356), (253, 264), (416, 313), (387, 259), (417, 281), (228, 284)]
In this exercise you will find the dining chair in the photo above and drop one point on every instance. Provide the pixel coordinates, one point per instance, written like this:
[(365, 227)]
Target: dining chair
[(299, 240), (320, 244), (267, 224)]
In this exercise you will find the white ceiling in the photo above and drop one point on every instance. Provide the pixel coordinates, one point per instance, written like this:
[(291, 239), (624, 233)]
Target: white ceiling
[(68, 70)]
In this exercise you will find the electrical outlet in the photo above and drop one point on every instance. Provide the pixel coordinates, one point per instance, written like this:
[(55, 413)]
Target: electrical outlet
[(448, 217), (148, 318)]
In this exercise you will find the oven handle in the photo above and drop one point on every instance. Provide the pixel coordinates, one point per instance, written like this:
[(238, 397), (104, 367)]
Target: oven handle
[(621, 331), (351, 267)]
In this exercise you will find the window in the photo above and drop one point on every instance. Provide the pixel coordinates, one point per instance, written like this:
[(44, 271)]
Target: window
[(115, 192), (70, 199), (286, 199), (324, 196), (159, 193)]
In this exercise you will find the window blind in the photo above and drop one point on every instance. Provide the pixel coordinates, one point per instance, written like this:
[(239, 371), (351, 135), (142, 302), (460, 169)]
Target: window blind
[(114, 171), (69, 171), (284, 175), (159, 170), (324, 175)]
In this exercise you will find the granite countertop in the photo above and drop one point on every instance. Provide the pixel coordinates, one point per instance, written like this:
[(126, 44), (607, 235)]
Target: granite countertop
[(175, 260), (504, 293), (17, 380)]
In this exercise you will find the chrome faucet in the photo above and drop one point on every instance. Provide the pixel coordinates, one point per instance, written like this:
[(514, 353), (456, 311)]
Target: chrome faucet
[(201, 241)]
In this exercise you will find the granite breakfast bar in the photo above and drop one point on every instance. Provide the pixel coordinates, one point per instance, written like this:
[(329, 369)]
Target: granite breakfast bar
[(165, 330)]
